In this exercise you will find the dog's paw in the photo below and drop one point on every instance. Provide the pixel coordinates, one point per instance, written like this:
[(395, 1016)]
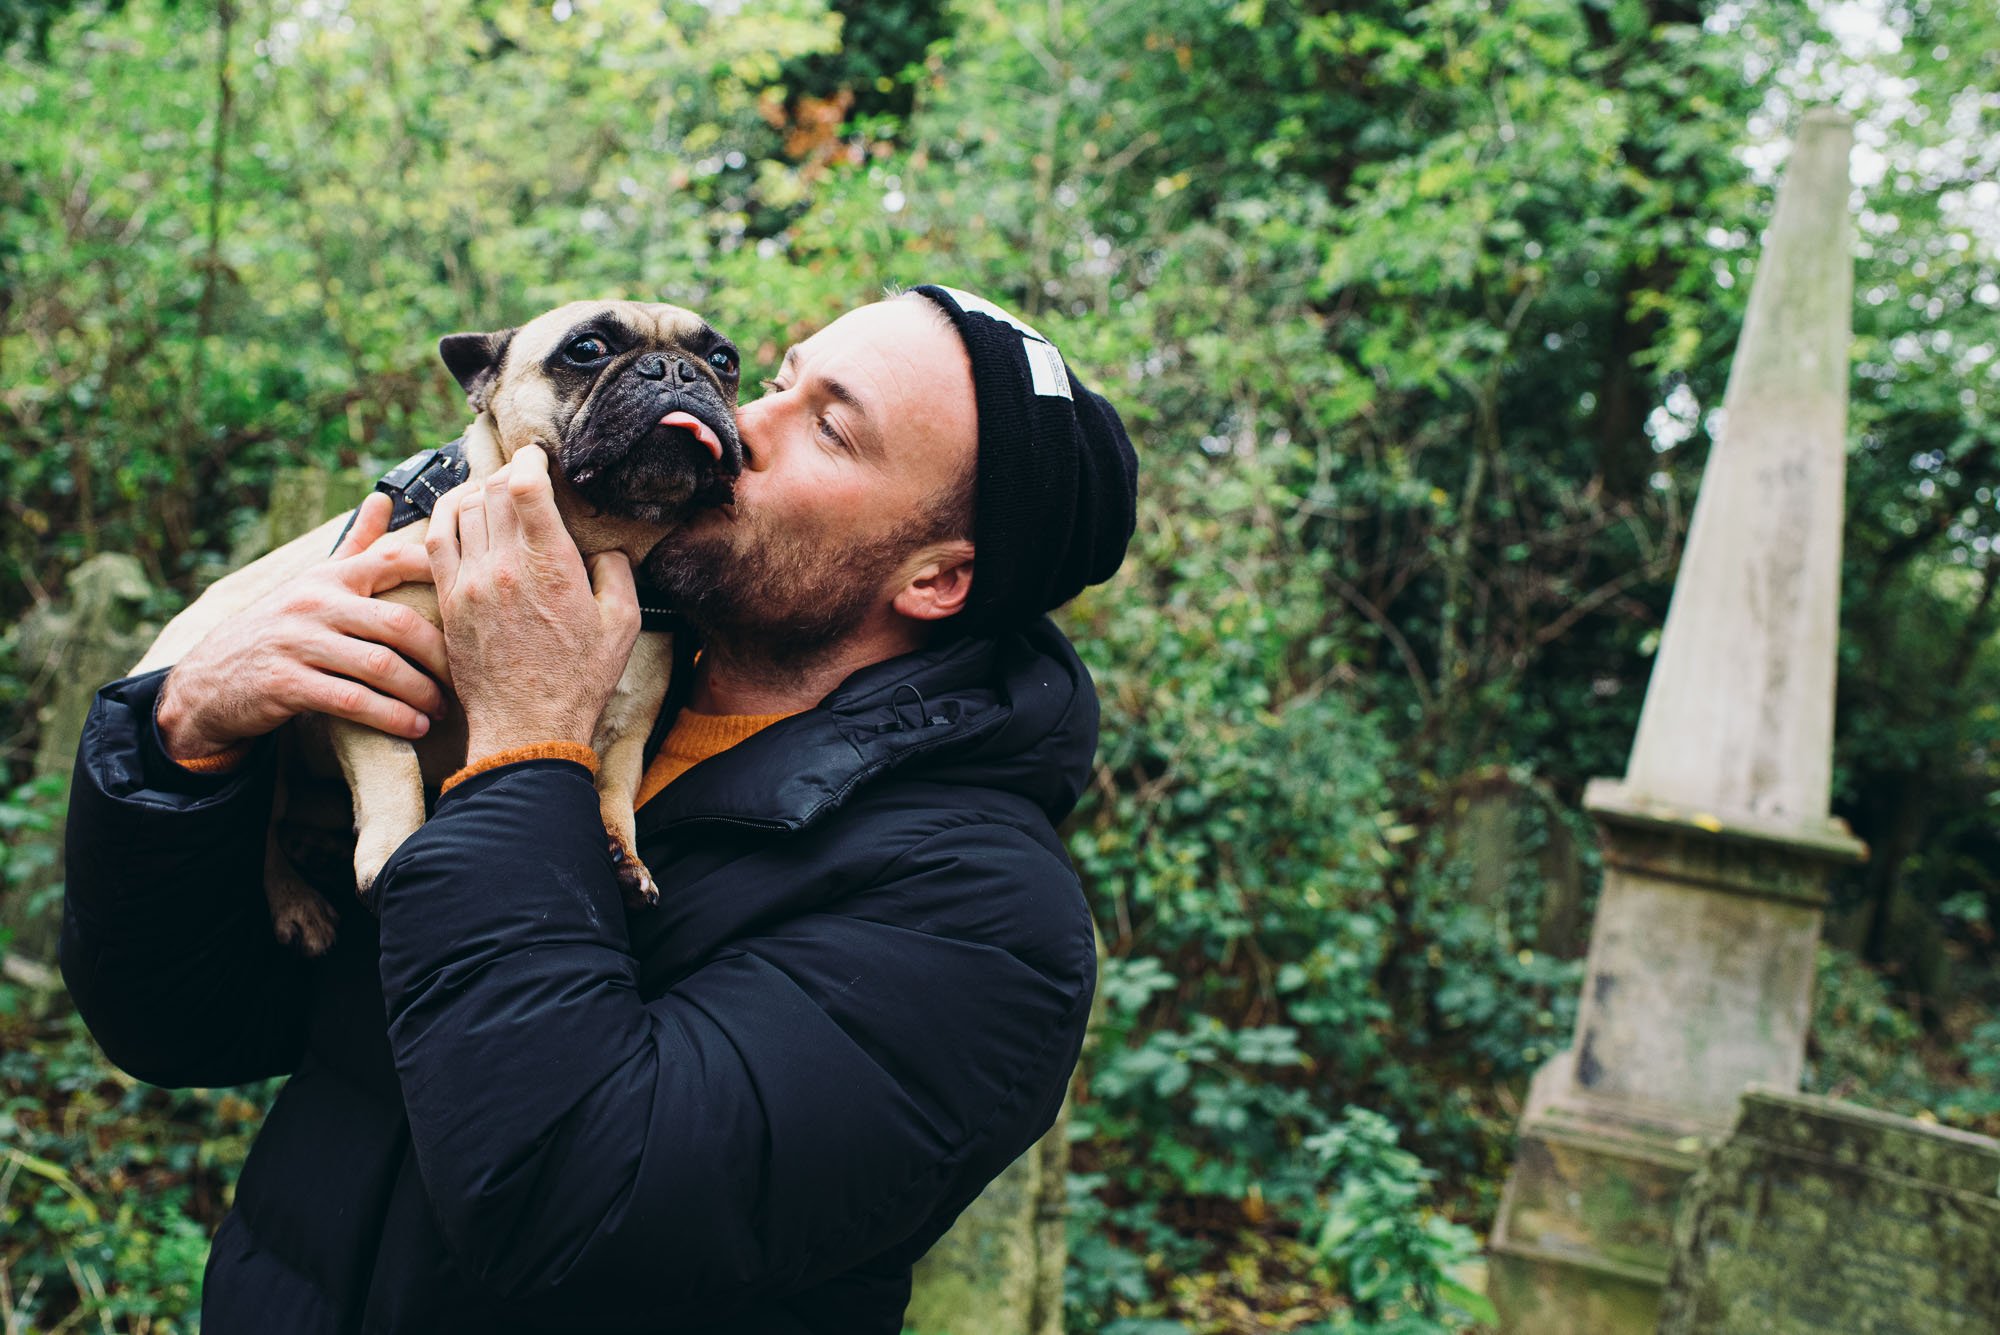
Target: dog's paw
[(371, 854), (633, 879), (306, 923)]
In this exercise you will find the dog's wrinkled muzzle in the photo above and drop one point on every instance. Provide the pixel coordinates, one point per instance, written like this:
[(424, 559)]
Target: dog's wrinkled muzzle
[(655, 446)]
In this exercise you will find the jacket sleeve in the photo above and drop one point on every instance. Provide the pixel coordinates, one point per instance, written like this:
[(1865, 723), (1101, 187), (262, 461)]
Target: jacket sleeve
[(166, 941), (799, 1103)]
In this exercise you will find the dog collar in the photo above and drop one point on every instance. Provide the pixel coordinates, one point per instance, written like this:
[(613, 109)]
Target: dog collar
[(415, 486)]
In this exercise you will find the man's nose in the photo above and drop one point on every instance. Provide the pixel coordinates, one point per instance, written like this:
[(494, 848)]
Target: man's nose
[(754, 430)]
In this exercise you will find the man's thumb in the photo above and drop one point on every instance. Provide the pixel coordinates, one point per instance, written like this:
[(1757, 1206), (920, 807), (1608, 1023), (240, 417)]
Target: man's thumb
[(612, 585)]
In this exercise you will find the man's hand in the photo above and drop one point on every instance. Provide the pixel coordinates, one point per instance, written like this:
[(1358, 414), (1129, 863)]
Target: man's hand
[(324, 644), (537, 646)]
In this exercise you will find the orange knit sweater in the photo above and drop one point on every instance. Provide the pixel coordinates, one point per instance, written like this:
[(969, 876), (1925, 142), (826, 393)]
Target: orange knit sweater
[(693, 739)]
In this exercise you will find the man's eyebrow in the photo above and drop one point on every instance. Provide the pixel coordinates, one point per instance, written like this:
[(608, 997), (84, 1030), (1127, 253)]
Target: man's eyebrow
[(839, 393)]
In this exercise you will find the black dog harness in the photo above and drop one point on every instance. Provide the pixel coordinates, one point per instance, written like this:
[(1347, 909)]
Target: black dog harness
[(416, 485)]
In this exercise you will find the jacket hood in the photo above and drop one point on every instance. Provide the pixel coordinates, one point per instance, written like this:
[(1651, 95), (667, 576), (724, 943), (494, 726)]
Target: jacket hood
[(1016, 711)]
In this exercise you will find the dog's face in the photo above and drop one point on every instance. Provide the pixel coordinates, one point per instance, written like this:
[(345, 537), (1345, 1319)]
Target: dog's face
[(634, 402)]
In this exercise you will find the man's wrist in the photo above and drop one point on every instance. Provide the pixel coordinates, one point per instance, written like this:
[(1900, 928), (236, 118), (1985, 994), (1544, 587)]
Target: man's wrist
[(184, 743), (485, 739), (478, 762)]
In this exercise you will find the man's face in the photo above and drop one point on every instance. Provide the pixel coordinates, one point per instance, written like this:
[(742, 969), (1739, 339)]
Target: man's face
[(866, 426)]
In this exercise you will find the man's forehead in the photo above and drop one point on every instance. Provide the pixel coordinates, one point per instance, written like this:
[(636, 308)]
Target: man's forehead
[(905, 363), (884, 327)]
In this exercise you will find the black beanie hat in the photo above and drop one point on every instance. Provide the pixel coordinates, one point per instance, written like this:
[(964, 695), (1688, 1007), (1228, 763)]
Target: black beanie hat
[(1057, 481)]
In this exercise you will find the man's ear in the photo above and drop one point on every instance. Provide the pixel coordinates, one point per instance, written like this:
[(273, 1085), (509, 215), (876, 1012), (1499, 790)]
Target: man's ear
[(474, 359), (940, 583)]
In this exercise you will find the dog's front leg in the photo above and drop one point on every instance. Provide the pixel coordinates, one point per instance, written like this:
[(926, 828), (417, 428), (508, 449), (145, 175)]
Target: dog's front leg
[(386, 782), (620, 743)]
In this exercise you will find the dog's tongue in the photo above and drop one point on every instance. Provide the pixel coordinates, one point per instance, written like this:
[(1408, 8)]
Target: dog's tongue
[(702, 431)]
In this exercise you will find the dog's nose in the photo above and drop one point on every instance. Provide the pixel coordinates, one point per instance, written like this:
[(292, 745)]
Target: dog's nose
[(653, 367), (688, 373)]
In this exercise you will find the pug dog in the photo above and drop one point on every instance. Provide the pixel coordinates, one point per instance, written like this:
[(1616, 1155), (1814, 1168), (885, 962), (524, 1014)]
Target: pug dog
[(635, 405)]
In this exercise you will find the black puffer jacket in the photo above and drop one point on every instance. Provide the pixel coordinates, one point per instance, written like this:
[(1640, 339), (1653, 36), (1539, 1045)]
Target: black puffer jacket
[(750, 1109)]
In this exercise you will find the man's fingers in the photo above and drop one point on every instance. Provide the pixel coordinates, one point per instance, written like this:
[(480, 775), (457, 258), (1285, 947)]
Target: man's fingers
[(381, 669), (387, 564), (371, 521), (534, 498), (617, 595), (403, 629), (441, 541), (472, 538), (322, 693), (503, 522)]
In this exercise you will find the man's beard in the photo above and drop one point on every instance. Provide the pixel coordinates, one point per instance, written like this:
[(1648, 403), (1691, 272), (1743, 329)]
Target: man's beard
[(779, 602)]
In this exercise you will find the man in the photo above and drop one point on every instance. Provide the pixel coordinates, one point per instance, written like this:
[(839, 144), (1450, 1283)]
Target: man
[(754, 1107)]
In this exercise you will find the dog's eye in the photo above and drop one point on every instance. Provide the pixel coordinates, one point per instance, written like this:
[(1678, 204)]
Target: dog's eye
[(723, 360), (589, 348)]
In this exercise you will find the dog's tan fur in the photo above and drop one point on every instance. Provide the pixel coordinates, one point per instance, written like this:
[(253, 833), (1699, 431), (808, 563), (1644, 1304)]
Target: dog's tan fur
[(386, 776)]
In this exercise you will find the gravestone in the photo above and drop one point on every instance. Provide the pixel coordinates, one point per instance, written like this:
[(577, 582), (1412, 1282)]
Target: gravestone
[(999, 1270), (1816, 1217), (74, 645), (68, 648), (1717, 842), (1521, 863)]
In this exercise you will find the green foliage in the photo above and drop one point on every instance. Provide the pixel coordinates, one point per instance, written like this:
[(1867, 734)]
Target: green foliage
[(1398, 1260), (108, 1189)]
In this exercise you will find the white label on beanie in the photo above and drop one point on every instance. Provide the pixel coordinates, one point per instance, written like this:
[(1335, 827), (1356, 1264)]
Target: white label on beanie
[(1045, 364), (967, 302)]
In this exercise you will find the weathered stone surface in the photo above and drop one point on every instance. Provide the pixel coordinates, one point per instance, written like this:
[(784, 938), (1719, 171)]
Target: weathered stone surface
[(999, 1270), (1700, 970), (1738, 718), (76, 644), (1816, 1217), (1522, 864), (67, 649), (1562, 1297), (1584, 1233)]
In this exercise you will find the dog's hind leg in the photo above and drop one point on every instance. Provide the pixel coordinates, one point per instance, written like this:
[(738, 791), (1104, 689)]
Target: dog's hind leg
[(300, 915), (620, 743)]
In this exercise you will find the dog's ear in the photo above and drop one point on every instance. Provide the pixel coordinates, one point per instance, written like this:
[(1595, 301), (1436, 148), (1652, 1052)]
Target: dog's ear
[(475, 360)]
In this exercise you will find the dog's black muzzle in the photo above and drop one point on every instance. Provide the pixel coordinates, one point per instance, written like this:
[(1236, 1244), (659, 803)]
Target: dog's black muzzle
[(656, 442)]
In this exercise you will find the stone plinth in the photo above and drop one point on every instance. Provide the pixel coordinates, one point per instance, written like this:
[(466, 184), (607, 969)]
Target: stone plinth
[(1816, 1217), (1700, 970), (1701, 962)]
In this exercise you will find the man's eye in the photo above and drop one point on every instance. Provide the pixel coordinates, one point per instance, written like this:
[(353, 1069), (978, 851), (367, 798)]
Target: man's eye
[(826, 429), (723, 360), (587, 349)]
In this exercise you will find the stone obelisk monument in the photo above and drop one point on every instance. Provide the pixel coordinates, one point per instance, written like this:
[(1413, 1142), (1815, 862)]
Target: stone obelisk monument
[(1717, 843)]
